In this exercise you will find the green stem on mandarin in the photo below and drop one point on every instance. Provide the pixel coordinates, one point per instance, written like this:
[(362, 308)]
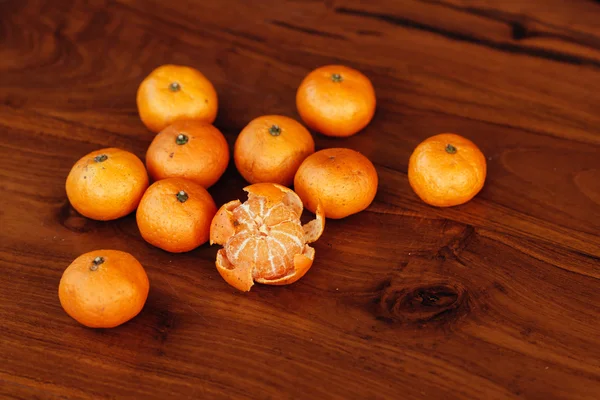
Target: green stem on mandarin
[(450, 149), (336, 77), (181, 139), (174, 87), (182, 196), (97, 261), (101, 158), (275, 130)]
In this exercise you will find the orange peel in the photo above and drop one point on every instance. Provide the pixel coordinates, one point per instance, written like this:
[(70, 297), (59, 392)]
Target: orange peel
[(263, 239)]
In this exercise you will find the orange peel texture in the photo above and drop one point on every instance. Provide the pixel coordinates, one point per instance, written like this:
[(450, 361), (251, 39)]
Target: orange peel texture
[(263, 239)]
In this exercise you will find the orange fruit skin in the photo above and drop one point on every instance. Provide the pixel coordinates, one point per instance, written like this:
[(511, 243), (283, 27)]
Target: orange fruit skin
[(343, 180), (271, 148), (109, 189), (241, 277), (202, 159), (172, 225), (109, 296), (442, 179), (336, 108), (159, 106)]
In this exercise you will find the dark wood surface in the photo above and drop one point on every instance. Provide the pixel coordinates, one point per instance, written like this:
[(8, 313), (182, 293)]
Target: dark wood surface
[(495, 299)]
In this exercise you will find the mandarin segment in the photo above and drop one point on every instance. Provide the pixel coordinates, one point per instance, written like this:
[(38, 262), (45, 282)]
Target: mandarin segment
[(264, 237), (278, 213), (275, 193), (302, 263)]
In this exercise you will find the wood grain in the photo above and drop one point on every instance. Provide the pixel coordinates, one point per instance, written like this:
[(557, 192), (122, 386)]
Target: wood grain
[(495, 299)]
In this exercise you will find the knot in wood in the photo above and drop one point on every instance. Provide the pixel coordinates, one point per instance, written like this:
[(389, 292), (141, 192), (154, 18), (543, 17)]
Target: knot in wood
[(435, 302)]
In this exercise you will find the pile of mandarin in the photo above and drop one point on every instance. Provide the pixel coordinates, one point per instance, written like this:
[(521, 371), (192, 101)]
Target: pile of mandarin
[(262, 238)]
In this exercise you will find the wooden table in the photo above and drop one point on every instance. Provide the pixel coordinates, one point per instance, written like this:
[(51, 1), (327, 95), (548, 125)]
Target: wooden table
[(495, 299)]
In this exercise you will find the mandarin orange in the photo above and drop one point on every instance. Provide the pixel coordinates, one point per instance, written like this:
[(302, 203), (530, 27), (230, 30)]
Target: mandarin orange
[(174, 92), (194, 150), (271, 148), (336, 100), (263, 239), (342, 180), (103, 288), (175, 215), (106, 184), (446, 170)]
